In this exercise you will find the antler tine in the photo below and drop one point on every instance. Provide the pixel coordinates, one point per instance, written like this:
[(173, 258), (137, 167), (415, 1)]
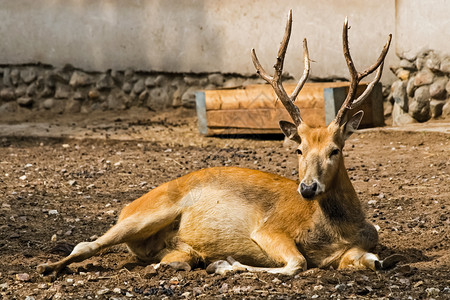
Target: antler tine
[(356, 77), (275, 81)]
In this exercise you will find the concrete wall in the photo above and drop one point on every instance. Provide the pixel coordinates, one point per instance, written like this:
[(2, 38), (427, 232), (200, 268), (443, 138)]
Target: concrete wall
[(422, 25), (201, 35)]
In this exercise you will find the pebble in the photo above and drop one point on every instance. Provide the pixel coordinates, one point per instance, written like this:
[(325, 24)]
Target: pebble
[(65, 145), (340, 287), (23, 177), (102, 291), (117, 290), (432, 291), (186, 294), (23, 277), (52, 212), (224, 288)]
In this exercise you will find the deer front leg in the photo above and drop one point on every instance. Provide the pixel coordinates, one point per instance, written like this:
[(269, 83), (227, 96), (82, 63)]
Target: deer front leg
[(279, 248)]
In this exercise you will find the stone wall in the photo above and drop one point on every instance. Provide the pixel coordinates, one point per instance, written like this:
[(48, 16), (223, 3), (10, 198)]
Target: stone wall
[(422, 90), (70, 90)]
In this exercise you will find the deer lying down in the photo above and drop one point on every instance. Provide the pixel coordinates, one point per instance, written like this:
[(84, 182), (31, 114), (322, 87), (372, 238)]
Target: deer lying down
[(256, 220)]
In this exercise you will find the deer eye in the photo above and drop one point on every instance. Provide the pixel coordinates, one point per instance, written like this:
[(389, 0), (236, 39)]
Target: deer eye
[(298, 152), (334, 152)]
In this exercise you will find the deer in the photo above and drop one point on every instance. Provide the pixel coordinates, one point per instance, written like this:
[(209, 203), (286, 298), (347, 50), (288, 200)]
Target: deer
[(231, 218)]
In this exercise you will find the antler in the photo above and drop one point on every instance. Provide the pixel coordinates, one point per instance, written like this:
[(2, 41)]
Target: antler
[(275, 81), (349, 102)]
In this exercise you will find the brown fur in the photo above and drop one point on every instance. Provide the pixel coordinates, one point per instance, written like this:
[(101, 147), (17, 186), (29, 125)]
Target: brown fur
[(258, 218)]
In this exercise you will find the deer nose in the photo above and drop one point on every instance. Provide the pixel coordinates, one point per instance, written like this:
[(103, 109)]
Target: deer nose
[(308, 191)]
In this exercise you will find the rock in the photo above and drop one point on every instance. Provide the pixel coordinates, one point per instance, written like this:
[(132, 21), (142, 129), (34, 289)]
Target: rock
[(217, 79), (117, 76), (445, 65), (48, 103), (158, 98), (432, 292), (52, 212), (116, 101), (93, 94), (400, 117), (399, 94), (421, 59), (6, 77), (32, 89), (21, 90), (409, 55), (387, 108), (190, 80), (25, 101), (80, 79), (102, 291), (79, 95), (143, 97), (105, 82), (433, 61), (129, 74), (150, 82), (403, 74), (436, 108), (188, 97), (419, 108), (28, 75), (422, 94), (233, 83), (23, 277), (139, 86), (176, 97), (7, 94), (407, 65), (423, 77), (224, 288), (62, 91), (161, 80), (58, 75), (127, 87), (149, 272), (47, 92), (437, 88), (447, 87), (14, 75), (73, 106), (446, 109)]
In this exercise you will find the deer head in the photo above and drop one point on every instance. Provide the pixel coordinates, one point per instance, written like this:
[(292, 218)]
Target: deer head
[(321, 164)]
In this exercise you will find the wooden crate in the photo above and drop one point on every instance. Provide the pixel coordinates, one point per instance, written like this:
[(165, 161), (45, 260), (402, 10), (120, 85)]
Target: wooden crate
[(255, 109)]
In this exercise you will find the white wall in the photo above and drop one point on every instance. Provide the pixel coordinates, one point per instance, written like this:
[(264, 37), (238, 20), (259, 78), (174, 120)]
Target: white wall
[(193, 35), (423, 25)]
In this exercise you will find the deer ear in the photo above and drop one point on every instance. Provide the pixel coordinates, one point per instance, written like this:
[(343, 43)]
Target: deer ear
[(352, 125), (290, 131)]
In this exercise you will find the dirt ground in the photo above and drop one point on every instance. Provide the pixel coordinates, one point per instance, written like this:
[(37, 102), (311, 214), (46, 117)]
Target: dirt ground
[(64, 179)]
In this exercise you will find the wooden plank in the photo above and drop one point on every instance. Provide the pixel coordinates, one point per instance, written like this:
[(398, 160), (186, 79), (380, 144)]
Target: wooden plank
[(263, 96), (256, 109), (261, 118)]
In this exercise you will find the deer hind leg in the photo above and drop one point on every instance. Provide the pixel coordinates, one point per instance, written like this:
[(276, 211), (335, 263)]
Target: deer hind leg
[(131, 229), (280, 250)]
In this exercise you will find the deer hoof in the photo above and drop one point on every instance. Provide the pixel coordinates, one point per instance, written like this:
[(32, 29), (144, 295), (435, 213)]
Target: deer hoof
[(219, 267), (180, 266), (44, 269), (391, 261)]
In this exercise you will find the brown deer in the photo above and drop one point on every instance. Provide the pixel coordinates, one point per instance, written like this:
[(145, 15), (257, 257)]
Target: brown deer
[(234, 218)]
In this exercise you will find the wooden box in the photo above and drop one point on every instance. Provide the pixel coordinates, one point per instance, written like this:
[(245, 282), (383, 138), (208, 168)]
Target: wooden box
[(255, 109)]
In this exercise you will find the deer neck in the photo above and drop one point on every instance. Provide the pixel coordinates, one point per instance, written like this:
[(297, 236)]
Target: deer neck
[(340, 204)]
